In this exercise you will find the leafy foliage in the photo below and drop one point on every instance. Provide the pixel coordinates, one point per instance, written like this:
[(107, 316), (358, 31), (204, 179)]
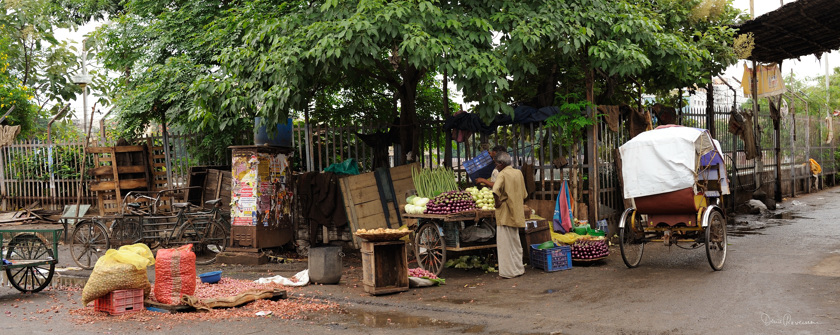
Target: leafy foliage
[(37, 60), (572, 119)]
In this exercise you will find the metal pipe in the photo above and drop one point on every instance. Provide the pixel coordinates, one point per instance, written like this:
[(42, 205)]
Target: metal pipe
[(50, 148)]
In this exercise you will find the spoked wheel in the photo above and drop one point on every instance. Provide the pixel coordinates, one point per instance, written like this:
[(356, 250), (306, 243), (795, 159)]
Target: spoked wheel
[(631, 242), (126, 231), (89, 242), (429, 248), (29, 248), (208, 238), (716, 240)]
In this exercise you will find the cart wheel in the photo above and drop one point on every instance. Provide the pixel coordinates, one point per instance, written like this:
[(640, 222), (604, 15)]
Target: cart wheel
[(125, 231), (429, 248), (631, 243), (89, 242), (29, 247), (716, 240), (208, 239)]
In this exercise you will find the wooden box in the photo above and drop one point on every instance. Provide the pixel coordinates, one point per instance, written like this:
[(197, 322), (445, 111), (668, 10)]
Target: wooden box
[(385, 267), (535, 232)]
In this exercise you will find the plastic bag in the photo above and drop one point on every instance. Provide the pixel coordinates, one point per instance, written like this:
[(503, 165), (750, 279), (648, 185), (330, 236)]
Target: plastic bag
[(299, 279), (175, 274), (119, 270), (347, 167)]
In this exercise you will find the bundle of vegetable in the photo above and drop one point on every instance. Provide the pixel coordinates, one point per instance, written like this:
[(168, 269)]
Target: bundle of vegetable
[(420, 273), (416, 205), (450, 202), (470, 262), (583, 249), (431, 182), (483, 198)]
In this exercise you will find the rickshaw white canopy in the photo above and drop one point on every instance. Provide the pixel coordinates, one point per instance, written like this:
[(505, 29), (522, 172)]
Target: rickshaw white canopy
[(664, 160)]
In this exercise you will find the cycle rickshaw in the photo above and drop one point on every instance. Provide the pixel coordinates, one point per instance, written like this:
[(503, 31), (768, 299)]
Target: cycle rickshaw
[(675, 177)]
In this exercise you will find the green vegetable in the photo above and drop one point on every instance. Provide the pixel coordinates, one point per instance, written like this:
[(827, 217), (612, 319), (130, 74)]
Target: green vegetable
[(546, 245)]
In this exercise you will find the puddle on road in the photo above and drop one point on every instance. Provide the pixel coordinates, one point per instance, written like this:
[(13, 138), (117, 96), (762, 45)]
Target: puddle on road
[(397, 320), (743, 228), (788, 216)]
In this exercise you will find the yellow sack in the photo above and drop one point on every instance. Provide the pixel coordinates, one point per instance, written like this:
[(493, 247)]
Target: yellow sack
[(119, 270)]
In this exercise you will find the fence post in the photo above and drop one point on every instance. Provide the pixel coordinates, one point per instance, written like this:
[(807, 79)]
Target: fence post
[(3, 193)]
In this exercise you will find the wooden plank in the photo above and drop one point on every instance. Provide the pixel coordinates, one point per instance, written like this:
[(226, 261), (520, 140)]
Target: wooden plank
[(400, 189), (351, 210), (370, 193), (108, 185), (108, 170), (361, 181), (476, 247), (403, 171), (122, 148), (368, 209)]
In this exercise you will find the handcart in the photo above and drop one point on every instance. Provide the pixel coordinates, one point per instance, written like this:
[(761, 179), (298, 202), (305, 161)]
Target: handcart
[(30, 254), (435, 235), (675, 177)]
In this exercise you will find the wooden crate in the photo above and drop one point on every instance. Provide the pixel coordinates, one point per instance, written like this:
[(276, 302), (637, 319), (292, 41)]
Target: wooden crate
[(535, 232), (385, 267), (364, 206), (118, 170)]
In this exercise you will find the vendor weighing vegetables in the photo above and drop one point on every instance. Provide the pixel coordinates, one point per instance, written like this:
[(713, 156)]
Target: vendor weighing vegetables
[(509, 194)]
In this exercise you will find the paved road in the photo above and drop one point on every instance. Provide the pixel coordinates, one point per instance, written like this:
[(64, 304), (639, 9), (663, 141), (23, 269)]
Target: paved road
[(782, 276)]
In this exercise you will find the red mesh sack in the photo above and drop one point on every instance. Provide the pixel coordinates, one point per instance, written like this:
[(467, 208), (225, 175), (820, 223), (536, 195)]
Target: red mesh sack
[(174, 274)]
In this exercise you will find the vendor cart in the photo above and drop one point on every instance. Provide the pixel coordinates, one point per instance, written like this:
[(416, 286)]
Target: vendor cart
[(435, 235), (31, 252), (675, 177)]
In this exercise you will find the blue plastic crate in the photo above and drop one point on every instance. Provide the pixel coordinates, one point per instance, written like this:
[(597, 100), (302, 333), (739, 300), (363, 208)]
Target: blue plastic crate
[(554, 259), (478, 162), (484, 172)]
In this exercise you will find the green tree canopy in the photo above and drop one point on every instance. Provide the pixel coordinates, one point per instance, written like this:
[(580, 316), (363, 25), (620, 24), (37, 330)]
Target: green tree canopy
[(37, 60)]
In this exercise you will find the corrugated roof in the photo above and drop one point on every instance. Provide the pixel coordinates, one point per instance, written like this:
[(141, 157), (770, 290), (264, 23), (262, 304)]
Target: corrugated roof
[(797, 29)]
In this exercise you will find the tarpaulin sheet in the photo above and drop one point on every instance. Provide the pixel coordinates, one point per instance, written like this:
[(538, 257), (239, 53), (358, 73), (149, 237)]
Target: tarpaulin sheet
[(662, 160)]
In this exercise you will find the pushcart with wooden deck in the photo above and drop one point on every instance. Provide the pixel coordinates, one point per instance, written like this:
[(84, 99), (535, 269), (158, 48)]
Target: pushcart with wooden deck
[(436, 235), (31, 252)]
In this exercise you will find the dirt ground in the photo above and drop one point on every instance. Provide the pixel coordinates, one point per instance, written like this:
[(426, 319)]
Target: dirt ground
[(782, 276)]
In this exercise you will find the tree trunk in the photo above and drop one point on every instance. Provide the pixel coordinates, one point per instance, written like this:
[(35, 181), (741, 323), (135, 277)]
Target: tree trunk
[(409, 136), (447, 151)]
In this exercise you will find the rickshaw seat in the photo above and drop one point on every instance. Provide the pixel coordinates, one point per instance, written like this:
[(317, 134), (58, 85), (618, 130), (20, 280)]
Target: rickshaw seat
[(682, 201)]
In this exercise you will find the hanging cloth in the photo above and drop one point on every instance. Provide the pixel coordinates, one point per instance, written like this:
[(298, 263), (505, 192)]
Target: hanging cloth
[(562, 221)]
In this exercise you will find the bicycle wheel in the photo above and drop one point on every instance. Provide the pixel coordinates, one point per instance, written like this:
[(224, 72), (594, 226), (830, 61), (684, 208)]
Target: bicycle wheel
[(208, 238), (716, 240), (126, 231), (89, 242), (29, 248), (631, 243), (430, 248)]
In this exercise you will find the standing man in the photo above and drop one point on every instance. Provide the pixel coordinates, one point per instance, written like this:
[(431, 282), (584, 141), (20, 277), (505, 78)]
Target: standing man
[(509, 193), (493, 152)]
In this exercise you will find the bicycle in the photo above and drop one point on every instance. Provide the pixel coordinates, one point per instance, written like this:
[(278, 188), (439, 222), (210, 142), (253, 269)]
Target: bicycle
[(208, 231)]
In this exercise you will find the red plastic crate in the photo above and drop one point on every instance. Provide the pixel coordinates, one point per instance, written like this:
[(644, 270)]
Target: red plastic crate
[(120, 302)]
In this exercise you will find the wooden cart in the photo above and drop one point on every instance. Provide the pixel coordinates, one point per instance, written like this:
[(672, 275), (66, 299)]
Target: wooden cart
[(435, 235), (31, 255)]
